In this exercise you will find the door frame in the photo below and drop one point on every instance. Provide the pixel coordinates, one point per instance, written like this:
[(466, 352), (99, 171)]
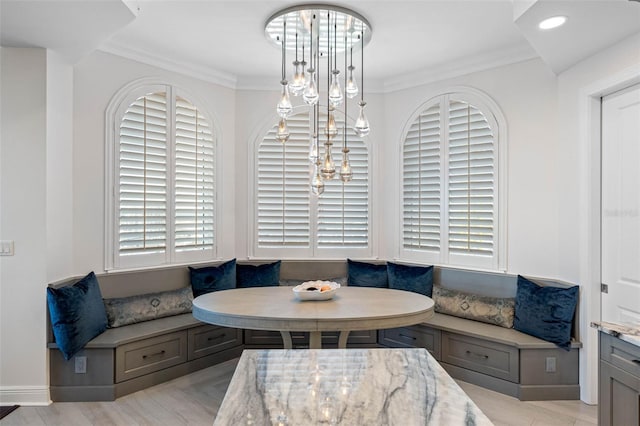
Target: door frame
[(590, 220)]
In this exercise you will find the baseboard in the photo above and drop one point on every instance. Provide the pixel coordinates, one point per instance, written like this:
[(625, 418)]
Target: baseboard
[(112, 391), (498, 385), (522, 392), (83, 393), (25, 395), (549, 392)]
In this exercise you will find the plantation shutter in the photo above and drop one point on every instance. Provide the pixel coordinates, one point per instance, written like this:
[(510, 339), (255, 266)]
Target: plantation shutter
[(289, 217), (142, 177), (283, 187), (343, 208), (471, 181), (450, 188), (194, 179), (421, 182)]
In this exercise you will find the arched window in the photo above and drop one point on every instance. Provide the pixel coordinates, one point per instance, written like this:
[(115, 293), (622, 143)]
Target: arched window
[(162, 164), (451, 197), (289, 221)]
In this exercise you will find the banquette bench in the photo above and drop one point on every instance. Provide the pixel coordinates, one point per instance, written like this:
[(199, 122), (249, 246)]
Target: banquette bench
[(133, 357)]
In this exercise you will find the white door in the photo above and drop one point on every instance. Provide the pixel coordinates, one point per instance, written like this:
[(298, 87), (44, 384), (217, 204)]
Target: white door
[(621, 206)]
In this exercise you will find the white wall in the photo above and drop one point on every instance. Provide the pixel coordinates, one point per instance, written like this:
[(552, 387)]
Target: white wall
[(526, 94), (59, 179), (578, 215), (23, 369), (97, 78)]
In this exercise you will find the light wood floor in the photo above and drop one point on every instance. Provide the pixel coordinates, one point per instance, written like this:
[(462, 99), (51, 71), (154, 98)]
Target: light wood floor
[(195, 399)]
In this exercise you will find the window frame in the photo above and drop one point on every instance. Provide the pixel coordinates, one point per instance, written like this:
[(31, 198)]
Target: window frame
[(114, 113), (497, 121), (313, 250)]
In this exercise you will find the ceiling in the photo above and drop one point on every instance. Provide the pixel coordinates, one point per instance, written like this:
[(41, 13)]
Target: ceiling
[(413, 41)]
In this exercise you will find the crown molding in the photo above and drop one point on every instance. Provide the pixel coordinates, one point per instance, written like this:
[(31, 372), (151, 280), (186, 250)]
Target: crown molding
[(186, 68), (458, 68), (464, 66)]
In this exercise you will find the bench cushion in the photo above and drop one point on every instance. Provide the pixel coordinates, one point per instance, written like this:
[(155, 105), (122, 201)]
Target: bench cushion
[(490, 332), (77, 314)]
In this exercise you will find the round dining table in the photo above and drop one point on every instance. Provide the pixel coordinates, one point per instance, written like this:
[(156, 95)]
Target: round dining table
[(278, 309)]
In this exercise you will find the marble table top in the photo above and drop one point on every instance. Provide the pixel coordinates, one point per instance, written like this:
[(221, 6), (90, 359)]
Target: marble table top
[(345, 387), (627, 333)]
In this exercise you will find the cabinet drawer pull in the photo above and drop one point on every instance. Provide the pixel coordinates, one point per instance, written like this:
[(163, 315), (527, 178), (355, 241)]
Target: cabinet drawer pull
[(407, 337), (216, 338), (156, 354), (477, 355)]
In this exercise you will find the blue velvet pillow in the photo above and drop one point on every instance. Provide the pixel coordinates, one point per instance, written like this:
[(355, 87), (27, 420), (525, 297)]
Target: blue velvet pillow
[(361, 274), (545, 312), (213, 278), (258, 276), (418, 279), (77, 314)]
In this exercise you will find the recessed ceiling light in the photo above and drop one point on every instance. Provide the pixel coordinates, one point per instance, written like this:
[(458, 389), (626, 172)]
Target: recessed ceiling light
[(553, 22)]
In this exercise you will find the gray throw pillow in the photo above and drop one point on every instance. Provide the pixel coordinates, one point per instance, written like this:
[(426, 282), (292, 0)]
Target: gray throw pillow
[(492, 310), (144, 307)]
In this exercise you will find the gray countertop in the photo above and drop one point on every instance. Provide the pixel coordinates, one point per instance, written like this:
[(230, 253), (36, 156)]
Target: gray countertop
[(346, 387), (628, 333)]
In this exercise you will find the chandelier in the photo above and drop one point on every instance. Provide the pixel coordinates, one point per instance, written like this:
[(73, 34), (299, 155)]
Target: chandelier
[(315, 34)]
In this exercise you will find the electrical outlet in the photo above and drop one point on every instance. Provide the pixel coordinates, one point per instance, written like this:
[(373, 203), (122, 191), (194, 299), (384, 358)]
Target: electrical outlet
[(550, 364), (6, 248), (81, 364)]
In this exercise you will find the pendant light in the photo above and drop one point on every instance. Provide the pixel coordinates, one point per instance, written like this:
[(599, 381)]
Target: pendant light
[(297, 83), (284, 106), (346, 174), (343, 31), (310, 94), (351, 86), (361, 126), (328, 170), (335, 91)]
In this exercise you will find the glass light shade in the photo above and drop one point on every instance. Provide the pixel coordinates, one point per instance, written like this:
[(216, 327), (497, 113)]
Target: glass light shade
[(351, 87), (331, 129), (361, 126), (297, 83), (313, 150), (335, 91), (310, 95), (282, 134), (317, 185), (346, 174), (328, 170), (284, 106)]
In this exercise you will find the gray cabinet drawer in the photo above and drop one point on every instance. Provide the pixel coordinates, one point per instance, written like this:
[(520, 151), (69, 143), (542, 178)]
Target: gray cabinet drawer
[(267, 339), (416, 336), (149, 355), (356, 337), (621, 354), (209, 339), (490, 358)]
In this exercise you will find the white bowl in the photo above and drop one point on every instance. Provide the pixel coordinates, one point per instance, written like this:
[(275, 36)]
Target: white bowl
[(302, 293)]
